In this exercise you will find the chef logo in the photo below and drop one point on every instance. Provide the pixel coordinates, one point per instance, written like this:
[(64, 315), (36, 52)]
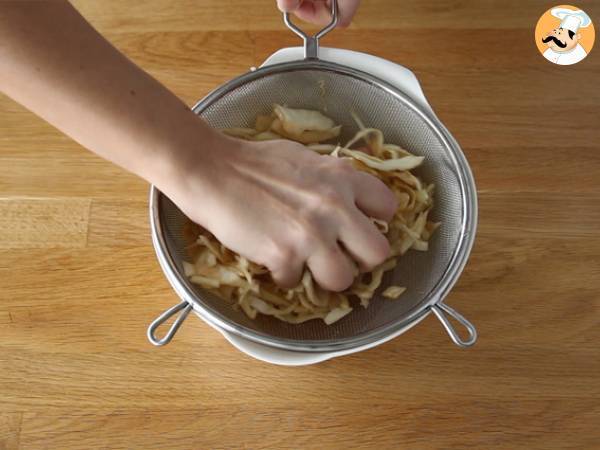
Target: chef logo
[(564, 35)]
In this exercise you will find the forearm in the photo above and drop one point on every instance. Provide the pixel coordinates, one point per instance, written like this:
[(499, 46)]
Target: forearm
[(54, 63)]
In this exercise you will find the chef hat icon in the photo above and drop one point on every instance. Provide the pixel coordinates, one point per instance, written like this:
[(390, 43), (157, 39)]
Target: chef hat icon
[(571, 19)]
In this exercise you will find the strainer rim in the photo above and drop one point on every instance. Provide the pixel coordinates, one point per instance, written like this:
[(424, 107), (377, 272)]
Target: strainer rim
[(435, 295)]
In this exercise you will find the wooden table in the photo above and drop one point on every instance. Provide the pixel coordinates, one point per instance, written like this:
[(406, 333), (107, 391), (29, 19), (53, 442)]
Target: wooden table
[(79, 281)]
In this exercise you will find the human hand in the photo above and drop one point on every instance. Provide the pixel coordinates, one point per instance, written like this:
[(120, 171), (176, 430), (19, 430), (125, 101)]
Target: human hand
[(283, 206), (319, 11)]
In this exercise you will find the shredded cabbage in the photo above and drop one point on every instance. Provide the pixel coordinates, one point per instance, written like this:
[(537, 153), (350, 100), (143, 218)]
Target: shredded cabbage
[(250, 287)]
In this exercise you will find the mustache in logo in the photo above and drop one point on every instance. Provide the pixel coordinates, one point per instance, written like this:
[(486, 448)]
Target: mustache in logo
[(556, 41)]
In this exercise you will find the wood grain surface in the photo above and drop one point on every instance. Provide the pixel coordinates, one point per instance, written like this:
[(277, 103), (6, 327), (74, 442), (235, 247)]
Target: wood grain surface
[(79, 281)]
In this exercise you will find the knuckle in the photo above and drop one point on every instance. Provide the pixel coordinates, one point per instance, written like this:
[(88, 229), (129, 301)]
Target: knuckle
[(286, 278), (307, 227), (306, 234), (281, 255), (342, 166), (331, 197)]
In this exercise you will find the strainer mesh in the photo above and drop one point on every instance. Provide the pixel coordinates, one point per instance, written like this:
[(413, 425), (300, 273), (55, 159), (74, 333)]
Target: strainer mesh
[(336, 95)]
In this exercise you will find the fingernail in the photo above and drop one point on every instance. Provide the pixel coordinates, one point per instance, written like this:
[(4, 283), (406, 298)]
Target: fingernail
[(288, 5)]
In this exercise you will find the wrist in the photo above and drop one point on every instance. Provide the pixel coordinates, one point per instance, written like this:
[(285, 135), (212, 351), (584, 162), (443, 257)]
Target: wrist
[(195, 168), (189, 153)]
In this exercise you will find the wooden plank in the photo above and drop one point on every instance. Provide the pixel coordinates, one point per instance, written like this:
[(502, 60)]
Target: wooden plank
[(10, 428), (441, 49), (63, 275), (208, 52), (160, 15), (227, 52), (552, 170), (505, 426), (76, 175), (43, 222), (521, 214), (119, 223), (407, 369)]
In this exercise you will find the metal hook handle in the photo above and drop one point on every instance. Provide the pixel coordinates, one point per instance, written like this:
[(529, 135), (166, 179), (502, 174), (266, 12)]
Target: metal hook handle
[(439, 310), (185, 309), (311, 43)]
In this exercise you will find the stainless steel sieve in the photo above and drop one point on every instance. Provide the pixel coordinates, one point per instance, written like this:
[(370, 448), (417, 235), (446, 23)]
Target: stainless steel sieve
[(337, 89)]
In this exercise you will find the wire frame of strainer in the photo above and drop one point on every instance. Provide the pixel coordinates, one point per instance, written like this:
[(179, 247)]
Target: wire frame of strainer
[(337, 90)]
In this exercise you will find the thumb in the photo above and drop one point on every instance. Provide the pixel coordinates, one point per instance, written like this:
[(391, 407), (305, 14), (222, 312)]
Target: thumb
[(288, 5)]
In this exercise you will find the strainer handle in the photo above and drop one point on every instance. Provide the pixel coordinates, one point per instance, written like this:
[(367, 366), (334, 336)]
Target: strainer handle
[(440, 310), (185, 309), (311, 43)]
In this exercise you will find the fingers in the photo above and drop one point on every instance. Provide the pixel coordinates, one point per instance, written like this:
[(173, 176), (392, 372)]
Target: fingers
[(286, 267), (288, 276), (373, 197), (319, 11), (288, 5), (332, 268), (364, 242), (347, 10)]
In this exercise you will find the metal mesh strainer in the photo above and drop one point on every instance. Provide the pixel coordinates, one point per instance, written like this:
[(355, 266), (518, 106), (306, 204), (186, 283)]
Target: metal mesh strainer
[(337, 90)]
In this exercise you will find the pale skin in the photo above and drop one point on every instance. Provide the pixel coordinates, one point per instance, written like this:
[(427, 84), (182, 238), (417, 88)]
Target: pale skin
[(319, 12), (275, 203)]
